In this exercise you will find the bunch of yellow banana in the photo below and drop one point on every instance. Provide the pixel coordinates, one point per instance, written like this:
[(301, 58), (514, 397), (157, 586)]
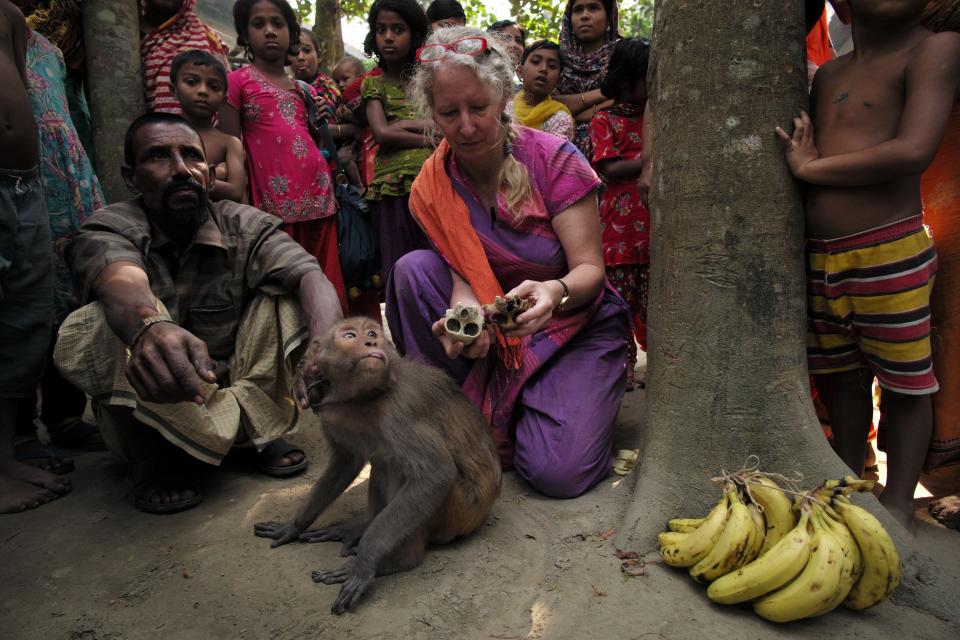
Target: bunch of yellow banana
[(730, 536), (837, 553), (686, 548), (881, 562), (777, 508), (824, 582)]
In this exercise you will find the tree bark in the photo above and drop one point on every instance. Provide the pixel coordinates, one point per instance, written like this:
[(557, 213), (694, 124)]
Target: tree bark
[(111, 36), (727, 373), (328, 29)]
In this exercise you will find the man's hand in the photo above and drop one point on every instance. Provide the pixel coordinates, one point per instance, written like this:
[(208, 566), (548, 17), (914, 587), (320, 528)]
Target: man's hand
[(799, 148), (169, 364)]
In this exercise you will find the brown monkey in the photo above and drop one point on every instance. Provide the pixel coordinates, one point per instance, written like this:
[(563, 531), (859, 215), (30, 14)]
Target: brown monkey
[(434, 474)]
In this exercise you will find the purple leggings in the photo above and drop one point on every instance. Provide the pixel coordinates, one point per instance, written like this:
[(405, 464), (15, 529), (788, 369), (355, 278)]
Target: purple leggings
[(565, 413)]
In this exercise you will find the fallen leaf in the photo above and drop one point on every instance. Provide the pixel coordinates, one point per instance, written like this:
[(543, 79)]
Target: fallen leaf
[(527, 535), (625, 555), (185, 574), (633, 567), (597, 592)]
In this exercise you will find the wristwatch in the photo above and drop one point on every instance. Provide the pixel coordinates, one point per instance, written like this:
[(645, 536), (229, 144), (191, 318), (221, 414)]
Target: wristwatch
[(146, 323), (565, 297)]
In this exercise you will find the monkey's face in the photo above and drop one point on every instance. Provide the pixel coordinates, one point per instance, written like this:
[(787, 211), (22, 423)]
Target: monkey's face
[(362, 345), (353, 363)]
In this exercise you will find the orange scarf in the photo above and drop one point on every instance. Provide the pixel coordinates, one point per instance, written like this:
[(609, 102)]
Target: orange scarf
[(445, 218)]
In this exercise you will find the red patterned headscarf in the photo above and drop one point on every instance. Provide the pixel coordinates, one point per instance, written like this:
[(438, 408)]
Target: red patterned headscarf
[(182, 32), (583, 71)]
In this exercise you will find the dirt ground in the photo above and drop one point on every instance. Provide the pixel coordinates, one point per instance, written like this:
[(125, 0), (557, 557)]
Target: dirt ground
[(91, 567)]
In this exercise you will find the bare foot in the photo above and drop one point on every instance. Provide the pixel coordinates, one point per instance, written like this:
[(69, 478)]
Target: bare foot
[(16, 495), (902, 510), (29, 474), (946, 511)]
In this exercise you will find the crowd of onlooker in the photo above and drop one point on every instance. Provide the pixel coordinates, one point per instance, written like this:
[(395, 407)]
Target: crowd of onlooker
[(232, 236)]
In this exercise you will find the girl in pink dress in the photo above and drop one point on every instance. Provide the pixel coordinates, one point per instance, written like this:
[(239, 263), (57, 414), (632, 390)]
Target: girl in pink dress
[(288, 175)]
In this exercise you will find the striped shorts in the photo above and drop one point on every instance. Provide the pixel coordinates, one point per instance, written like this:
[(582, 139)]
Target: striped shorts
[(868, 305)]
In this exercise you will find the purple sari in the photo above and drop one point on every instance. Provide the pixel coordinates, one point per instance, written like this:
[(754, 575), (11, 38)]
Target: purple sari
[(550, 420)]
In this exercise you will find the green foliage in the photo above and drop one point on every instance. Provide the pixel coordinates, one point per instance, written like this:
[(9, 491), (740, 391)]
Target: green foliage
[(541, 18), (636, 18), (355, 8), (477, 13), (304, 9)]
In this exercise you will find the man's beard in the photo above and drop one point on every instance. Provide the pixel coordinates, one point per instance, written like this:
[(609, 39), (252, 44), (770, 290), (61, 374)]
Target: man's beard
[(183, 221)]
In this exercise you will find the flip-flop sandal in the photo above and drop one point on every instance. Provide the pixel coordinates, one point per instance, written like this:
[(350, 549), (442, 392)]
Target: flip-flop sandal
[(46, 458), (143, 490), (276, 450)]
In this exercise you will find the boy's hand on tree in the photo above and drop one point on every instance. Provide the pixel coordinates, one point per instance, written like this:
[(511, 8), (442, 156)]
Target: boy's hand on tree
[(799, 148)]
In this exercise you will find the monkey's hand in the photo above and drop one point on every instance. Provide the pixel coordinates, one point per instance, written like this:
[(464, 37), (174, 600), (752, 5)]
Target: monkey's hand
[(355, 578), (348, 534), (280, 532)]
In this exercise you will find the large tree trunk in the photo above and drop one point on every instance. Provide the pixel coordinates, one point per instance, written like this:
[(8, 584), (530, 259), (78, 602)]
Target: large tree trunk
[(111, 35), (727, 371), (327, 28)]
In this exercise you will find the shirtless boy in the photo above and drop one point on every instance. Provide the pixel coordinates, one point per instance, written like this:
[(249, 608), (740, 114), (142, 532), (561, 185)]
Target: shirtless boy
[(879, 113), (26, 268), (200, 84)]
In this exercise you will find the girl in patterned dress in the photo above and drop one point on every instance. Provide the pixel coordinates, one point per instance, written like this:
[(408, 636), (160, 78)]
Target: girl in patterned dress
[(288, 176), (397, 29), (616, 134), (72, 193)]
